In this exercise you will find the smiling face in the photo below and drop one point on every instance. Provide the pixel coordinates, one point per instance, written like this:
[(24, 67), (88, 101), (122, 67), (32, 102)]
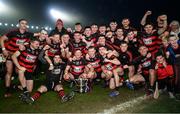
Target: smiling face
[(148, 29), (94, 28), (119, 32), (173, 40), (77, 37), (23, 24), (35, 44), (87, 32), (124, 47), (57, 59), (143, 50), (102, 40), (102, 51), (113, 25), (160, 59)]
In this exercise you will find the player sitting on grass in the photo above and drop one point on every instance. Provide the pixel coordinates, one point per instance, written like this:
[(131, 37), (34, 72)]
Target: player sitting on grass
[(53, 80)]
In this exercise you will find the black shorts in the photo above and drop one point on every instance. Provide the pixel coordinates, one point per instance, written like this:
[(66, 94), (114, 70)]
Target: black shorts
[(28, 75), (98, 74), (50, 85)]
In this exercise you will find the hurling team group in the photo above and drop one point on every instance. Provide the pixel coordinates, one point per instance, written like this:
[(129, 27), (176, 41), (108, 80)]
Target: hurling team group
[(112, 55)]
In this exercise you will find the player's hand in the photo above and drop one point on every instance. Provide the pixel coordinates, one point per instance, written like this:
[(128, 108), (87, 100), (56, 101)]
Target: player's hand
[(148, 55), (46, 47), (69, 29), (106, 60), (156, 67), (62, 46), (148, 13), (87, 57), (51, 67), (163, 17), (164, 64), (139, 70), (23, 69), (66, 50), (22, 47), (125, 66), (167, 54), (5, 53)]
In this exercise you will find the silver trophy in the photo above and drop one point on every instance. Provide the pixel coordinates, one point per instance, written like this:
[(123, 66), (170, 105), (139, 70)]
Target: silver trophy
[(82, 85)]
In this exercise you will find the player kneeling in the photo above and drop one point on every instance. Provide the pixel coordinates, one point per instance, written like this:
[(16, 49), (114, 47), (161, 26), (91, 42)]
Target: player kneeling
[(53, 81)]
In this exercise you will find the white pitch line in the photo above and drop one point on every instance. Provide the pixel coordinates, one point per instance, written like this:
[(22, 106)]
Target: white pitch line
[(123, 106)]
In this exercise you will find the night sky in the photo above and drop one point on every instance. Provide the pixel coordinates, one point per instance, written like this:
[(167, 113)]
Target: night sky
[(89, 11)]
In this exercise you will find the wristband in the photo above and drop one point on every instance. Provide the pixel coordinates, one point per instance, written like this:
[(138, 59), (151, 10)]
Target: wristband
[(3, 49)]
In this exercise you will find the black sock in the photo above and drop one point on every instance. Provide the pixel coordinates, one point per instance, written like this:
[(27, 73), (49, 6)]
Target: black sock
[(25, 90), (7, 89), (117, 88)]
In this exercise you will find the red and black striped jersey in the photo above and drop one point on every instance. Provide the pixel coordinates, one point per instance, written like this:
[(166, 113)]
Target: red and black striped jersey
[(28, 58), (15, 38), (89, 39), (96, 62), (152, 42), (108, 65), (77, 66), (79, 46), (54, 49)]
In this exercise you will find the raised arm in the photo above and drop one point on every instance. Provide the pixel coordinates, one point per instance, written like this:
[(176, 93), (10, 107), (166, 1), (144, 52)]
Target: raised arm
[(143, 21)]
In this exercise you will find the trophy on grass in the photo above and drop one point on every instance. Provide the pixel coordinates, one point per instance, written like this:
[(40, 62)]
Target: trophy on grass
[(81, 85)]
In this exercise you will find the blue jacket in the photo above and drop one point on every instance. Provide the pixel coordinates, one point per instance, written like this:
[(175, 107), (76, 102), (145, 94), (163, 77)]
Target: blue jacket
[(171, 51)]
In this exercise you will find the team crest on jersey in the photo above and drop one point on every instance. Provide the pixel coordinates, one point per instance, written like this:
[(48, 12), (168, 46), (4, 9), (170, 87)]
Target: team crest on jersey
[(20, 41), (147, 41), (109, 67), (56, 71), (77, 69), (94, 64), (31, 58), (53, 50), (146, 64)]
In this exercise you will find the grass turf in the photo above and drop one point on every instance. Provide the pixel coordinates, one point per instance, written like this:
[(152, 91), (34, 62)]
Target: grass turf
[(95, 101)]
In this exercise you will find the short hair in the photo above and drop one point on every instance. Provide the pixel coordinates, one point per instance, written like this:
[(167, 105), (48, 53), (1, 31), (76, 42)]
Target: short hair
[(113, 21), (142, 46), (77, 32), (91, 47), (102, 25), (33, 39), (159, 53), (94, 24), (149, 24), (102, 36), (78, 23), (125, 19), (124, 42), (172, 36), (87, 27), (21, 20)]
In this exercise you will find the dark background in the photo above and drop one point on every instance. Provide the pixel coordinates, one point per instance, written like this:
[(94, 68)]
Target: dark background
[(90, 11)]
